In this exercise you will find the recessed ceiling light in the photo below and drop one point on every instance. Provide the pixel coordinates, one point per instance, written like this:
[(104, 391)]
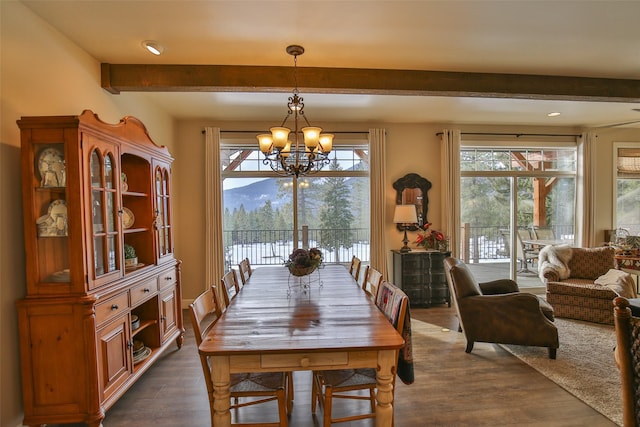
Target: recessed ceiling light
[(553, 114), (153, 47)]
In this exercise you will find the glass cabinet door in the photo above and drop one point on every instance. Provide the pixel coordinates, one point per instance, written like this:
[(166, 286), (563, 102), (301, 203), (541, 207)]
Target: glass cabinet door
[(50, 199), (162, 212), (106, 246)]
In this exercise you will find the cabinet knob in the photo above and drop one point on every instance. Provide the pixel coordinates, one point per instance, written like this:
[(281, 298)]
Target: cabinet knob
[(163, 318), (114, 307), (145, 290), (129, 344), (304, 362)]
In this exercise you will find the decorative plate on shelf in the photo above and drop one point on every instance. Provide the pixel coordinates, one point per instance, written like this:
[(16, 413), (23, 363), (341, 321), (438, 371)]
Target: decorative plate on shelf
[(52, 168), (127, 218), (54, 223)]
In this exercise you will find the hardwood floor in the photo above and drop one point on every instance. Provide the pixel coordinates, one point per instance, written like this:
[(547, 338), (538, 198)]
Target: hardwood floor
[(488, 387)]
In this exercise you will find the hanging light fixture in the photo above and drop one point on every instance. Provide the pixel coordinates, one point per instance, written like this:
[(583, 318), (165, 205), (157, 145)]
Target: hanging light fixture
[(308, 149)]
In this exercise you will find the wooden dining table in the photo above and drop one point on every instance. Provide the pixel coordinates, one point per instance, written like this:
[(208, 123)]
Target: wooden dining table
[(278, 322)]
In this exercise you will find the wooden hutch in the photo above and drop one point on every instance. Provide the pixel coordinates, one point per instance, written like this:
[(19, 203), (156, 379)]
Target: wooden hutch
[(92, 321)]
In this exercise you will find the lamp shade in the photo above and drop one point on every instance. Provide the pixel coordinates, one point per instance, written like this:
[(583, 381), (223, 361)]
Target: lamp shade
[(311, 136), (405, 214), (326, 142), (280, 136), (266, 142)]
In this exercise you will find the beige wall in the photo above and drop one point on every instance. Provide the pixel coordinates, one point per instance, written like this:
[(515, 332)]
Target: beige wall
[(42, 73)]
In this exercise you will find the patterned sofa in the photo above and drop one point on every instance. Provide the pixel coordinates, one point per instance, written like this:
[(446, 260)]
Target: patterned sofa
[(577, 297)]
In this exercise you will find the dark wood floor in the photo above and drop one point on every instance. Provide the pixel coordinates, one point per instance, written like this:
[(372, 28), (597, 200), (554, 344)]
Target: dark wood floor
[(489, 387)]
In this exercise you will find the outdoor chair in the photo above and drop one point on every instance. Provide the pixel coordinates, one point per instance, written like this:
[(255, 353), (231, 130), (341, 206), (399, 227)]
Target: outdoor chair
[(526, 253), (257, 388), (543, 233), (497, 312)]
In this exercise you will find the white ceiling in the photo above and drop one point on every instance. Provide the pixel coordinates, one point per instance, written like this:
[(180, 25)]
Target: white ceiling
[(567, 38)]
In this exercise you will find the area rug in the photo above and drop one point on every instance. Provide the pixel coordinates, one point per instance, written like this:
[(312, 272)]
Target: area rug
[(584, 366)]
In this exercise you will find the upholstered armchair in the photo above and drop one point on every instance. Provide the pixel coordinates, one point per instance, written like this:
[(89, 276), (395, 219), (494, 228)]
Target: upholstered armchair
[(497, 312), (574, 294)]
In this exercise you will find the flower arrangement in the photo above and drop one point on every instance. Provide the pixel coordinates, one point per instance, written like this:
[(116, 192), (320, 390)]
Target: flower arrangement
[(302, 262), (429, 238)]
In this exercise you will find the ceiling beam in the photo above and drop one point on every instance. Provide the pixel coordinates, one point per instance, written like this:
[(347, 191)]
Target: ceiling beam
[(118, 78)]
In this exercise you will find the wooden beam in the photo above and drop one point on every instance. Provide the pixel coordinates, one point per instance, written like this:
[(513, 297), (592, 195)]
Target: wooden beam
[(118, 78)]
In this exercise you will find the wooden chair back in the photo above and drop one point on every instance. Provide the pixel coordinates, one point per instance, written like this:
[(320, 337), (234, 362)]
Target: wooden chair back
[(393, 302), (244, 270), (372, 279), (354, 269), (230, 286), (627, 356), (204, 314)]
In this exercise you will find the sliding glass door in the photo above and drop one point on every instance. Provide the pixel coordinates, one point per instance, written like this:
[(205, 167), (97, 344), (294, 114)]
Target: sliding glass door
[(511, 197)]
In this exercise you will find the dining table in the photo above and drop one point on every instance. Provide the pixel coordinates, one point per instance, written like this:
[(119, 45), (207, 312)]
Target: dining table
[(280, 322)]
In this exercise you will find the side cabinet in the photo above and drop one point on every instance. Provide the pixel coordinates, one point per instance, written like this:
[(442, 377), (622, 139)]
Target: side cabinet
[(420, 274)]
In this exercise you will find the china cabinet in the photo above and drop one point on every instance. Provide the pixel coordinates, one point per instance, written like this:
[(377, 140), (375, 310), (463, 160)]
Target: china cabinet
[(91, 323), (420, 274)]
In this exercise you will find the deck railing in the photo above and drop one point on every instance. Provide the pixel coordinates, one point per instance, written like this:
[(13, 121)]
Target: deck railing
[(482, 244), (272, 247)]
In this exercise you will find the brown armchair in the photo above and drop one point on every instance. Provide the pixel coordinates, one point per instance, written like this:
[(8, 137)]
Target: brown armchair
[(497, 312)]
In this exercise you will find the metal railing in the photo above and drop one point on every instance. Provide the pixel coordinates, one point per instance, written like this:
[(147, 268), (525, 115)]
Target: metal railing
[(272, 247), (482, 244)]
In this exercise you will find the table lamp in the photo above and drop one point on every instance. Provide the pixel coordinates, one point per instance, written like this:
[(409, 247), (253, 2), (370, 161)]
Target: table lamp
[(405, 215)]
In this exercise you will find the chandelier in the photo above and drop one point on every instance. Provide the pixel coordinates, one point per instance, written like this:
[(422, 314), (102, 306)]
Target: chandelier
[(308, 149)]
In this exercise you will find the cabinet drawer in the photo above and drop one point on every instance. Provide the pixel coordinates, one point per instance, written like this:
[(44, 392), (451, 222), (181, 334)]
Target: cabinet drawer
[(167, 278), (112, 307), (143, 291)]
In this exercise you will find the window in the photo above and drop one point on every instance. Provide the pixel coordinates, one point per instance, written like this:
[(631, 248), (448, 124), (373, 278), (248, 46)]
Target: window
[(264, 213), (627, 194)]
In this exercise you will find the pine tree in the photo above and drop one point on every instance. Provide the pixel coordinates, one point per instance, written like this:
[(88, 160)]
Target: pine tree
[(336, 217)]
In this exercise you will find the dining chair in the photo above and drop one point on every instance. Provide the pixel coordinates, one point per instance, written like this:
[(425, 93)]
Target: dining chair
[(627, 356), (354, 269), (342, 383), (257, 388), (230, 286), (372, 279), (244, 270)]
